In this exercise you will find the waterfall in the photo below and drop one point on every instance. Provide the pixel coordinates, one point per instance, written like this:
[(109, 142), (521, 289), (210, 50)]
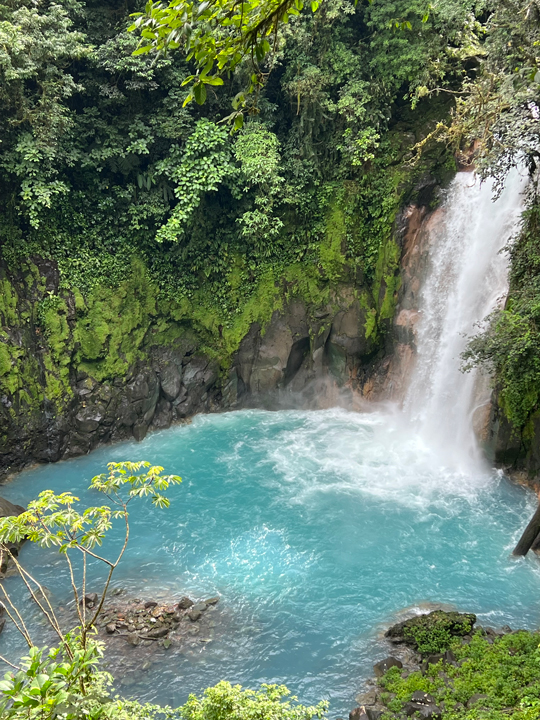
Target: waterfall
[(466, 280)]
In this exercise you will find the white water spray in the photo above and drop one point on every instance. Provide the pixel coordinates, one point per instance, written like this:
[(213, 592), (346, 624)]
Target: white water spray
[(466, 280)]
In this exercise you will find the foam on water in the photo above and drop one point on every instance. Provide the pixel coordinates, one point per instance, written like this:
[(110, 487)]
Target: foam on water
[(316, 529)]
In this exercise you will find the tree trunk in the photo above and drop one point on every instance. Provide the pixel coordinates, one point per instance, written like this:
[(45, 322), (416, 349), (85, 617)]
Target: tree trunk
[(535, 547), (532, 531)]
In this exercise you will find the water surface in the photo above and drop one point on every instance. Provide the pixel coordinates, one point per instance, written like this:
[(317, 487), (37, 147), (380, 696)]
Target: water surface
[(315, 528)]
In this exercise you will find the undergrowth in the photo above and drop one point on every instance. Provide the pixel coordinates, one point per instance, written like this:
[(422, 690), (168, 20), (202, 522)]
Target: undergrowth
[(504, 675)]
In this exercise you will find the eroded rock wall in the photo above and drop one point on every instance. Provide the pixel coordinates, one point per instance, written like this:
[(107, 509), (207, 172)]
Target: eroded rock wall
[(75, 378)]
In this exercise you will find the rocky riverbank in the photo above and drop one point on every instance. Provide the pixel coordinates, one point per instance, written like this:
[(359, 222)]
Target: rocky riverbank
[(446, 667)]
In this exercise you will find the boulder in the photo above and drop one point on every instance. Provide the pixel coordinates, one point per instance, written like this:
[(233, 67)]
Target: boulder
[(358, 713), (158, 632), (367, 698), (8, 509), (373, 714), (212, 601), (384, 665), (424, 704), (170, 380), (110, 628), (184, 603), (133, 639), (90, 600), (194, 615)]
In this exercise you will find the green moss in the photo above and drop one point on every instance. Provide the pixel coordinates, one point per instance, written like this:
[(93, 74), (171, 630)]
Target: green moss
[(5, 359), (370, 327), (53, 316), (8, 303), (387, 279), (331, 248), (112, 327), (259, 308)]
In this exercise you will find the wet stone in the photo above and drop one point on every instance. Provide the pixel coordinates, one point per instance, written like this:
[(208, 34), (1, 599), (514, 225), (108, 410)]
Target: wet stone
[(367, 698), (158, 632), (384, 665), (185, 603)]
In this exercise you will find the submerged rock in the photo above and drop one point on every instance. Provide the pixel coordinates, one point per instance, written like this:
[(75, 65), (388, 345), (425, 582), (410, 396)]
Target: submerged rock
[(138, 620), (90, 600)]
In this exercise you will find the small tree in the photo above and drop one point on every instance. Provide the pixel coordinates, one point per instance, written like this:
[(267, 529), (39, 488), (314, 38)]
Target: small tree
[(65, 682), (54, 521)]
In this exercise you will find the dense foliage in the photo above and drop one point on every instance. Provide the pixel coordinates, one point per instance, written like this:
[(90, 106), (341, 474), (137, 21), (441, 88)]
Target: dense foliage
[(493, 679), (101, 161), (435, 632)]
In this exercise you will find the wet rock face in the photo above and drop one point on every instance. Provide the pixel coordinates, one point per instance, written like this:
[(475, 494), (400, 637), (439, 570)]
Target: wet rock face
[(171, 386), (306, 351), (8, 509), (306, 354)]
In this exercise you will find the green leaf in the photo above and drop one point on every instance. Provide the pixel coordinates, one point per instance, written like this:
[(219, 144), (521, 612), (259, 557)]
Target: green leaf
[(215, 80), (199, 92)]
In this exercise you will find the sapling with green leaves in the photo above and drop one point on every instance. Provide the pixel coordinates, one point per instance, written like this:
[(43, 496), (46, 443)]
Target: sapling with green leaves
[(66, 682), (54, 521)]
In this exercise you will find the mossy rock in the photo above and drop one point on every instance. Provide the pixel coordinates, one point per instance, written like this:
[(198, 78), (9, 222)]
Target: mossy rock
[(432, 633)]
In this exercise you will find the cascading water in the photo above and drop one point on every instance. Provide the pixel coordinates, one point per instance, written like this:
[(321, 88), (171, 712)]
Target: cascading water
[(316, 528), (466, 279)]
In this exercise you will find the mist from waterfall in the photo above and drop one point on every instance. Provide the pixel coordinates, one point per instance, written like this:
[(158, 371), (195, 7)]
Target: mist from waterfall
[(465, 281)]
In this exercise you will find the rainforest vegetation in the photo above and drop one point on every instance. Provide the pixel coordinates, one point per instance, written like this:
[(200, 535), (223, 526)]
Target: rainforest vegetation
[(189, 166), (108, 172), (289, 175)]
